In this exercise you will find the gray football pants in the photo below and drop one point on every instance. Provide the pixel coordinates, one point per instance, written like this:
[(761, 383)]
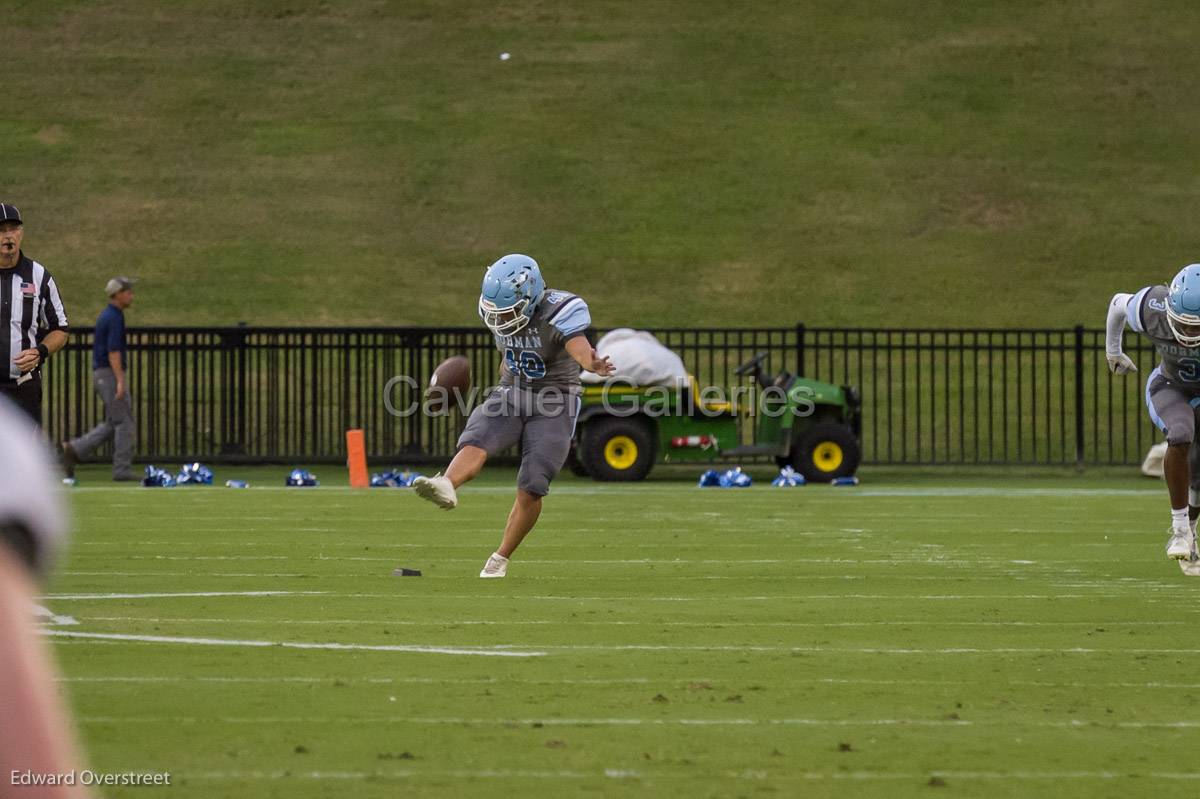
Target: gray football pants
[(1173, 410), (117, 425), (543, 424)]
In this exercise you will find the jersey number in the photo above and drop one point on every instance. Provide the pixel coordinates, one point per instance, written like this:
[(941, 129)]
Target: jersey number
[(528, 364), (1189, 370)]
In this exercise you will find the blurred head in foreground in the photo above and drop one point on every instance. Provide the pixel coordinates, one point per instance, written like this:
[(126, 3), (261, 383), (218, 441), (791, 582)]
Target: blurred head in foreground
[(35, 736)]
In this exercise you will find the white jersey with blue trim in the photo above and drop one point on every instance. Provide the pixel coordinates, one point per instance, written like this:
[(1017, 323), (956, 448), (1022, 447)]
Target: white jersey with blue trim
[(536, 357), (1146, 313)]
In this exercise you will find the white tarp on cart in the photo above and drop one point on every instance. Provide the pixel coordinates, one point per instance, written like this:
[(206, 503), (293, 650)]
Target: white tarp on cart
[(640, 358)]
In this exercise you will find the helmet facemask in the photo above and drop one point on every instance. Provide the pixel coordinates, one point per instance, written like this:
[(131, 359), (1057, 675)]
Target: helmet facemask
[(1185, 327), (505, 321)]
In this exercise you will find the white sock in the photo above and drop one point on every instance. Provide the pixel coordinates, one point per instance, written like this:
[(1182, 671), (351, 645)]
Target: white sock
[(1179, 517)]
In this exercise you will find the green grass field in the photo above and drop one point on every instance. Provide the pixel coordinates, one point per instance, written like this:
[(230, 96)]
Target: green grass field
[(923, 634), (676, 163)]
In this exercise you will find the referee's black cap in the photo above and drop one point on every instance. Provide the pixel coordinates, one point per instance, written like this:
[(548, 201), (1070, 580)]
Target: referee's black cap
[(9, 213)]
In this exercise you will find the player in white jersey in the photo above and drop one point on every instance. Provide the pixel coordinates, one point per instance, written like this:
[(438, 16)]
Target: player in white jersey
[(1170, 317), (540, 332)]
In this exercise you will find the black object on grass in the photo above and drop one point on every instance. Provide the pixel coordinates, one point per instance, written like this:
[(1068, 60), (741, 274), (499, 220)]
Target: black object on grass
[(406, 572)]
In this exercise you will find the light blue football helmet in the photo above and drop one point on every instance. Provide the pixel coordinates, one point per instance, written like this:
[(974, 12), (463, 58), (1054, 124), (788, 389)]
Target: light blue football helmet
[(1183, 306), (512, 288)]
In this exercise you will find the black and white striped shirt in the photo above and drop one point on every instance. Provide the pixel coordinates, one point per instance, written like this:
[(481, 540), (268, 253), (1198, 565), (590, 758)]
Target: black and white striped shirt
[(30, 307)]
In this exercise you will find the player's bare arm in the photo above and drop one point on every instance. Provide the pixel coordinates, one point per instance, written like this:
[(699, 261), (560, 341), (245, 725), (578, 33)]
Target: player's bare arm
[(581, 350)]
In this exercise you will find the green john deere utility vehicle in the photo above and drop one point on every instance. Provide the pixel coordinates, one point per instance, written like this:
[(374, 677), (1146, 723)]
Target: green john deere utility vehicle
[(812, 426)]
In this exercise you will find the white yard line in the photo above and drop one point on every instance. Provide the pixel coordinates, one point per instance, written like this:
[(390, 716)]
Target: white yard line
[(226, 776), (529, 722), (721, 623), (506, 651), (107, 573), (1138, 591), (634, 722), (1063, 775), (866, 650), (174, 594), (48, 616), (366, 680), (1030, 683), (458, 573), (801, 539), (898, 560), (673, 489), (665, 681), (754, 775), (164, 639)]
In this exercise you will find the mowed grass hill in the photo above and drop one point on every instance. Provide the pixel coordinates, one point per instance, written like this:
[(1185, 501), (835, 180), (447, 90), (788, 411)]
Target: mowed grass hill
[(677, 163)]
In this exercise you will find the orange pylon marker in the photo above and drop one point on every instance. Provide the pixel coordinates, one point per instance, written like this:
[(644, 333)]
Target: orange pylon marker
[(356, 458)]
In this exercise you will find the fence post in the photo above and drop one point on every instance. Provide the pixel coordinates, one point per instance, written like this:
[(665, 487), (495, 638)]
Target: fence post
[(233, 390), (1079, 395), (800, 349)]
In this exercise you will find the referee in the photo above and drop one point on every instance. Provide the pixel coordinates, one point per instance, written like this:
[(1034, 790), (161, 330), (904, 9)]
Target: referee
[(33, 322)]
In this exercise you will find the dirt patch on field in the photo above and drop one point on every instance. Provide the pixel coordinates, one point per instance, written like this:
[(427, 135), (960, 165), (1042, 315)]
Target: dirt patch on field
[(988, 212), (52, 135)]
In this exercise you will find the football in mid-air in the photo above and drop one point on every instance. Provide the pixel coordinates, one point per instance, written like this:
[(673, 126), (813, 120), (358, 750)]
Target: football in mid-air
[(451, 377)]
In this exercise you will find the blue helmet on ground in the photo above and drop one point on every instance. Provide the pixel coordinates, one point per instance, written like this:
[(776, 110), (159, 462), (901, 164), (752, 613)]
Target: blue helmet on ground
[(788, 478), (158, 478), (395, 478), (735, 478), (195, 474), (1183, 306), (512, 288), (385, 480), (710, 479), (302, 478)]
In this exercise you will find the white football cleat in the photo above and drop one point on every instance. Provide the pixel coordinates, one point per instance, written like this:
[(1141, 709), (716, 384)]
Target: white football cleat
[(1191, 565), (496, 566), (1179, 546), (438, 490)]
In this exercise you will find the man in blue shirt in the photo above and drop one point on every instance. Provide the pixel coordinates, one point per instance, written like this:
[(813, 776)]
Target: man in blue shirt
[(108, 375)]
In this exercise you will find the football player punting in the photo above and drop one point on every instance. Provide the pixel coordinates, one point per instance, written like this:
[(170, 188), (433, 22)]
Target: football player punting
[(540, 331), (1170, 317)]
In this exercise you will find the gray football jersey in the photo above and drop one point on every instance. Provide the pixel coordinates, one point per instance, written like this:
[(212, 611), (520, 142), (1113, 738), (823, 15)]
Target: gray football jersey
[(537, 357), (1147, 314)]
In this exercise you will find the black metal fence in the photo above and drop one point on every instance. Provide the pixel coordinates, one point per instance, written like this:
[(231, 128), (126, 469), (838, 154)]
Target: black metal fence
[(929, 396)]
